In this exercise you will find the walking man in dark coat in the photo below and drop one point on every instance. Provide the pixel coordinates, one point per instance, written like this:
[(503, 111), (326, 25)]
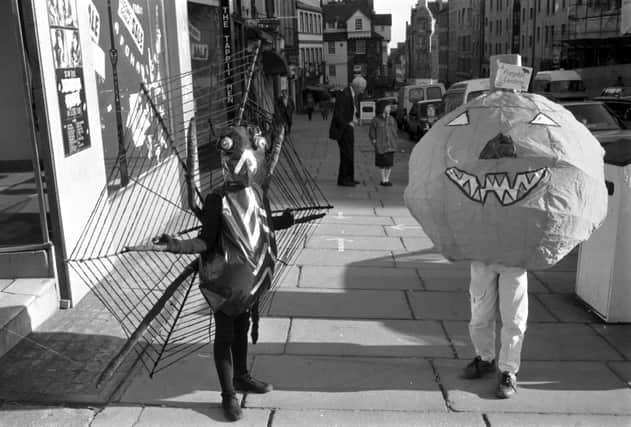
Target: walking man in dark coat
[(345, 117)]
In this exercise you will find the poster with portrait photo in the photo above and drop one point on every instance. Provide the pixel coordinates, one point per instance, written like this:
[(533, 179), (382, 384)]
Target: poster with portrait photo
[(62, 13), (67, 59)]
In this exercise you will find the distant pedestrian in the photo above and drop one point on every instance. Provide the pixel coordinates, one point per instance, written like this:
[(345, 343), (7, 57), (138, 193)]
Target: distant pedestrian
[(383, 136), (310, 105), (324, 109), (285, 109)]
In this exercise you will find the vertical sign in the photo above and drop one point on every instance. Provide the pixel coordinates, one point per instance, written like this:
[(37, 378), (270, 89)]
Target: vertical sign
[(64, 36), (516, 26), (227, 52), (625, 17)]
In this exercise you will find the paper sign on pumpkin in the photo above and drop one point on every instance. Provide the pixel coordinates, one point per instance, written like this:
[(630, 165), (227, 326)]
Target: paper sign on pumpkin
[(509, 178)]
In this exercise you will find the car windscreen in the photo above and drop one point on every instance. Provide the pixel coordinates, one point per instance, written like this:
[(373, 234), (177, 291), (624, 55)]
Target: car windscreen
[(475, 94), (434, 92), (429, 109), (453, 100), (416, 94), (567, 86), (595, 117)]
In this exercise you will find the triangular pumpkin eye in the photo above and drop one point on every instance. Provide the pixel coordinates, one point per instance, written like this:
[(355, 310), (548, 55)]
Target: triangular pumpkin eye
[(542, 119), (461, 120)]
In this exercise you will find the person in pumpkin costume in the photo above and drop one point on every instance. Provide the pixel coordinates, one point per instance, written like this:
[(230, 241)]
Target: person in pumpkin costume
[(511, 182), (238, 255)]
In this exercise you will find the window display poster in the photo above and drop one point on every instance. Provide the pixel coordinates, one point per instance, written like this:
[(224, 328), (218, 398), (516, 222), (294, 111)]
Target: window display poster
[(137, 29), (64, 35)]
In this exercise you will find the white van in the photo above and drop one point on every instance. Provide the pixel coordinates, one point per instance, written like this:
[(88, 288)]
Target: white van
[(411, 94), (559, 85), (462, 92)]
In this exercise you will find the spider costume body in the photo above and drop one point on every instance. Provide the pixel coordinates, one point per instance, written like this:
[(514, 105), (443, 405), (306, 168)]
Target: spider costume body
[(238, 255)]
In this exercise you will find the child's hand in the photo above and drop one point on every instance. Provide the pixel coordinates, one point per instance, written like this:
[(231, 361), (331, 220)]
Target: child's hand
[(162, 239)]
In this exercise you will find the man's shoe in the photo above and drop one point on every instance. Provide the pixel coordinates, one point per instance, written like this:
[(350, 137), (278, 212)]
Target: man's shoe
[(246, 383), (387, 184), (507, 386), (346, 184), (478, 368), (231, 408), (356, 182)]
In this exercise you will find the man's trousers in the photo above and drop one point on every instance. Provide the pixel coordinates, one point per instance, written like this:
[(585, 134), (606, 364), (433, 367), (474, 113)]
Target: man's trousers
[(497, 289)]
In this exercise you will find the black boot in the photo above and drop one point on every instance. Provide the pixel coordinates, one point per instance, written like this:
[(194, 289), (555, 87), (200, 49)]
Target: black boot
[(231, 408), (245, 383)]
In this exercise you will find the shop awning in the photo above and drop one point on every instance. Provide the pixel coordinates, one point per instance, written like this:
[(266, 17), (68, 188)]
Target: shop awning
[(273, 63)]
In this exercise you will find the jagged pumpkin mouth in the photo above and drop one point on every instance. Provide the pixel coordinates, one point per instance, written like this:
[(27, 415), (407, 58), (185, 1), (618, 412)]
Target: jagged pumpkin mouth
[(507, 188)]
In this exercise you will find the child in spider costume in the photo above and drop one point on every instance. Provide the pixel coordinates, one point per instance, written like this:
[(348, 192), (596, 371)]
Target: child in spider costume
[(238, 255)]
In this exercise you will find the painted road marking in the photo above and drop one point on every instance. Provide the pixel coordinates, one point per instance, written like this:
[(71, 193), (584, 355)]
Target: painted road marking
[(340, 243)]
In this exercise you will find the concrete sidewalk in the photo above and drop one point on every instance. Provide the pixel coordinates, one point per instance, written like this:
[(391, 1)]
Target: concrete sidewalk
[(369, 328)]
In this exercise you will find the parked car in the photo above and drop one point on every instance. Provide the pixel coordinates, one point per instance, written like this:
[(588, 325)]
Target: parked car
[(616, 92), (422, 117), (462, 92), (559, 85), (410, 94), (610, 131)]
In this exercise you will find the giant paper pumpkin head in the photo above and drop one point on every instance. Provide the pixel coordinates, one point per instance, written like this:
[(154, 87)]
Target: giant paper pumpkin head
[(508, 178)]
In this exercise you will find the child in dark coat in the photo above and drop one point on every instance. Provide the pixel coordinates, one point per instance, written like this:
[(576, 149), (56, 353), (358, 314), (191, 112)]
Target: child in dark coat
[(383, 136)]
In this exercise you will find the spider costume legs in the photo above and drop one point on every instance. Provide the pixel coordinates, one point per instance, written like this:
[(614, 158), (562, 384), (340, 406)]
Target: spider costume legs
[(230, 349)]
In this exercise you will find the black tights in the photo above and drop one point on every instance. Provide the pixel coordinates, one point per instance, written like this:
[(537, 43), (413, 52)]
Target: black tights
[(231, 344)]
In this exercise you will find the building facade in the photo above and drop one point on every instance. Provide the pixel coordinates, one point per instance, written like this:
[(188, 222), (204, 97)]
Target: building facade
[(466, 38), (353, 25), (442, 24), (310, 28), (419, 32)]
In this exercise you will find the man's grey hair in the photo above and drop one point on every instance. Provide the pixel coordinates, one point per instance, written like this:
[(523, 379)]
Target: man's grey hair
[(359, 82)]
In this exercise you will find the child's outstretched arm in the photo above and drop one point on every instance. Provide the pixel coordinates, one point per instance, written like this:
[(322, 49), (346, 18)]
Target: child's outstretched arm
[(211, 215)]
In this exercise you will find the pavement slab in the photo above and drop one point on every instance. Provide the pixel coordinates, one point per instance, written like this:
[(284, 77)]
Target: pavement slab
[(544, 420), (568, 308), (456, 306), (342, 258), (186, 417), (15, 415), (349, 383), (565, 342), (335, 303), (357, 220), (290, 277), (119, 416), (382, 338), (558, 281), (417, 244), (342, 230), (385, 278), (327, 418), (544, 387), (618, 336), (396, 211), (440, 305), (622, 370), (420, 259), (349, 242), (191, 381), (457, 279)]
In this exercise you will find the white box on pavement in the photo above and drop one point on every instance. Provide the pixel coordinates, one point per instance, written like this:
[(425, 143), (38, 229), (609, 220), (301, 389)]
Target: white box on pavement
[(604, 265)]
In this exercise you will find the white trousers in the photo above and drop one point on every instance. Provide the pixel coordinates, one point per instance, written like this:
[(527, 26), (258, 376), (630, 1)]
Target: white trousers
[(497, 289)]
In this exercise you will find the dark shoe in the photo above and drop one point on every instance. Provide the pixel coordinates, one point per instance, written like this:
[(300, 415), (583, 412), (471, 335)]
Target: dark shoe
[(346, 184), (478, 368), (246, 383), (507, 386), (231, 408), (387, 184), (356, 182)]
